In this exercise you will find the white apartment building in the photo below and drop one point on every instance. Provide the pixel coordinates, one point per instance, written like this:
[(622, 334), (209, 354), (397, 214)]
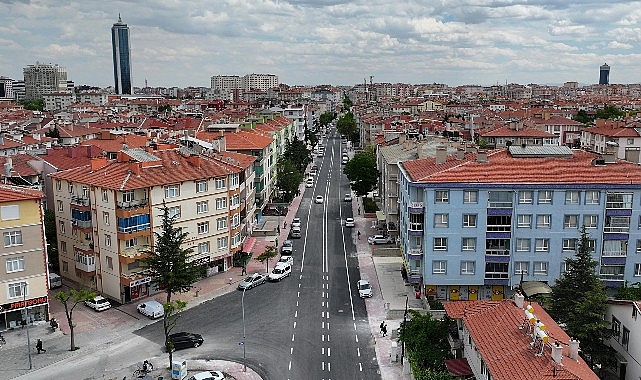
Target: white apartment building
[(41, 79)]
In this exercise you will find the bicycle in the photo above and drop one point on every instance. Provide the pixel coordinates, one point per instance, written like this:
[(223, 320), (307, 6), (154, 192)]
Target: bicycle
[(143, 369)]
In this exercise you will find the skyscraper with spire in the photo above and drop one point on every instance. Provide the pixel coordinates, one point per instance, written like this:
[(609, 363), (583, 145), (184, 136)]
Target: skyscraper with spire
[(121, 57)]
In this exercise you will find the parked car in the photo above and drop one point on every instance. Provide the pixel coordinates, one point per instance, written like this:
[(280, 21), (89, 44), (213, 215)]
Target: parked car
[(296, 222), (315, 167), (379, 239), (348, 198), (286, 260), (310, 182), (252, 281), (349, 222), (364, 288), (183, 340), (318, 199), (287, 247), (207, 375), (151, 309), (280, 271), (98, 303), (55, 281), (295, 233)]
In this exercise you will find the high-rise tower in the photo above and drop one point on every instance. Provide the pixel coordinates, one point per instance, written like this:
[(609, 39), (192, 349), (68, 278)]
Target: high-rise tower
[(604, 74), (121, 56)]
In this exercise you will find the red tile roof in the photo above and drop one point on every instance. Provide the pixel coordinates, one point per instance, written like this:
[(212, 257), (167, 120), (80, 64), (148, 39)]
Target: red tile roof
[(14, 193), (511, 132), (502, 168), (70, 157), (245, 140), (611, 131)]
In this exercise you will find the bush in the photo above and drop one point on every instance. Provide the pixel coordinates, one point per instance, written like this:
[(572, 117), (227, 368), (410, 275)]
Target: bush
[(436, 305), (369, 205)]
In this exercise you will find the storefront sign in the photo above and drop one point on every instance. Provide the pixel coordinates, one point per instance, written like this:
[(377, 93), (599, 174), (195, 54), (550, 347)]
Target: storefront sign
[(21, 304), (141, 281)]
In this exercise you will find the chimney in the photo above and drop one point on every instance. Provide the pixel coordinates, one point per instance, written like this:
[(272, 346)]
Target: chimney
[(402, 138), (194, 160), (481, 156), (134, 167), (460, 153), (7, 169), (98, 163), (519, 299), (573, 345), (441, 154), (557, 352), (222, 144)]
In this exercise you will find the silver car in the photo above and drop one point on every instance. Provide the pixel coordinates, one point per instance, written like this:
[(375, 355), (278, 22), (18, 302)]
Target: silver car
[(252, 281)]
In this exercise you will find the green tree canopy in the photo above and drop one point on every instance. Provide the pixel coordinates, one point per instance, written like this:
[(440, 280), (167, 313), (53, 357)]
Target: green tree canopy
[(346, 126), (33, 105), (325, 119), (361, 172), (297, 153), (578, 301), (347, 102), (288, 178), (70, 299), (52, 239), (269, 253)]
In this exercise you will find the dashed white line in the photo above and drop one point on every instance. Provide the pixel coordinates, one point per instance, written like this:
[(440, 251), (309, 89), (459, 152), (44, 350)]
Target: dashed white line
[(329, 352), (358, 351), (294, 324)]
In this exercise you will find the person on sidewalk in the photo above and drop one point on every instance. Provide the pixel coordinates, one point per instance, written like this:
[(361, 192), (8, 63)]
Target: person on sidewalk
[(39, 346), (384, 330), (359, 235), (381, 326)]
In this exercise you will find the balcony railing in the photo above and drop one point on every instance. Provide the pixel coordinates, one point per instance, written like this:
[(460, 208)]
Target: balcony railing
[(617, 253), (81, 223), (80, 201), (416, 205), (616, 229), (130, 229), (491, 275), (497, 252), (132, 204), (612, 277)]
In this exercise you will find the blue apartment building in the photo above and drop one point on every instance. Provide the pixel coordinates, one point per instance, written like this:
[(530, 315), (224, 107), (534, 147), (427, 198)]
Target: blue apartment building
[(474, 224)]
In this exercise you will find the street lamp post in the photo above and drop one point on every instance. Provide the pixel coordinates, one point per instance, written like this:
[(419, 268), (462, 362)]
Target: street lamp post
[(242, 302), (26, 315)]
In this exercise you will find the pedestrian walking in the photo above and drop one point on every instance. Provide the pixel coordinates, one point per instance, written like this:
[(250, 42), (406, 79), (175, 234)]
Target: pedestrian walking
[(285, 224), (384, 330), (244, 272), (39, 346), (230, 280), (278, 229), (359, 235), (359, 210), (381, 326)]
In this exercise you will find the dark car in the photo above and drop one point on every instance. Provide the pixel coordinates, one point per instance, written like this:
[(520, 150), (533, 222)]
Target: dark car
[(184, 340)]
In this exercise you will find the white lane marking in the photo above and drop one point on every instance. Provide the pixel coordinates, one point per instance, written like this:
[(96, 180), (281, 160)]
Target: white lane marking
[(356, 336), (322, 350), (296, 314), (290, 365), (354, 326), (358, 351), (329, 351), (293, 336), (360, 366), (294, 324)]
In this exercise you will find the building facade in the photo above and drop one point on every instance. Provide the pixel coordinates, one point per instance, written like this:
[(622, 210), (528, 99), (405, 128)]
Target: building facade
[(604, 74), (121, 51), (626, 340), (41, 79)]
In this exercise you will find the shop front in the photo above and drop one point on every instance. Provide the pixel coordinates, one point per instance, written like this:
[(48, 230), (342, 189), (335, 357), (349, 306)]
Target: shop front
[(136, 289), (18, 313)]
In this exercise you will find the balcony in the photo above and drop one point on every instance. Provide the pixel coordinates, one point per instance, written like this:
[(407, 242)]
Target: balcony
[(415, 253), (614, 253), (80, 201), (132, 229), (82, 224), (128, 209), (416, 207), (85, 263)]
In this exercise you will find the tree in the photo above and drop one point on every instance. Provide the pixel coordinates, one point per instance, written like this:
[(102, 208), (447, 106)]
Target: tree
[(52, 239), (70, 299), (33, 105), (629, 292), (361, 172), (270, 252), (325, 119), (578, 301), (426, 343), (347, 102), (172, 313), (53, 133), (296, 151), (346, 126), (288, 177)]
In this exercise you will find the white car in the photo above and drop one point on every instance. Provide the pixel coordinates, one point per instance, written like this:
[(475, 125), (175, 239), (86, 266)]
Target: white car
[(207, 375), (296, 222), (285, 260), (98, 303), (281, 271), (151, 309), (310, 182), (319, 199), (348, 198), (364, 288), (349, 222), (379, 239)]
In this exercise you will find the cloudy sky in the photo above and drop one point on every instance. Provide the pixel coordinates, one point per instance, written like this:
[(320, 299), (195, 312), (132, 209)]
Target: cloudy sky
[(185, 42)]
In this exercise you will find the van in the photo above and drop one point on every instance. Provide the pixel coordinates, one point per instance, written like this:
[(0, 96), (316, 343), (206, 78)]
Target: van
[(55, 281), (281, 271)]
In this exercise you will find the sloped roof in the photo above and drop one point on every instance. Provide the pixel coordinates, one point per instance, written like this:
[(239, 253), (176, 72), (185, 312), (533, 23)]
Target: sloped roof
[(15, 193)]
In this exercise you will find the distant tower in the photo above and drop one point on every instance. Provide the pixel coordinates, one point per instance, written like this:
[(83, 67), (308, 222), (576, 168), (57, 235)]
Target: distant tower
[(604, 74), (121, 57)]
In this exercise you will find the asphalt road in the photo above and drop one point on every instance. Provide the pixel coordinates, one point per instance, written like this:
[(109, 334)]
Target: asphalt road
[(311, 325)]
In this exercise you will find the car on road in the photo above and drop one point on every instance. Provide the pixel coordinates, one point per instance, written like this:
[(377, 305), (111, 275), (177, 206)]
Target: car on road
[(281, 270), (364, 288), (287, 247), (319, 199), (252, 281), (315, 167), (98, 303), (312, 172), (181, 340), (207, 375), (151, 309), (379, 239), (349, 222), (296, 222), (348, 198), (285, 260), (295, 233), (310, 182)]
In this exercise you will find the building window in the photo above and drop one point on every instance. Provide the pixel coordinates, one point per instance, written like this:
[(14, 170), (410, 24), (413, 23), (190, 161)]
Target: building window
[(70, 186), (500, 199), (618, 200), (18, 289), (201, 186), (203, 228), (65, 266), (172, 191), (221, 223), (220, 183), (572, 197), (522, 245), (440, 220), (173, 212), (545, 197), (470, 196), (524, 221), (571, 221), (202, 207), (525, 197), (625, 338), (105, 218), (592, 197), (12, 238), (590, 221), (61, 206), (543, 221), (130, 243), (469, 220), (203, 248), (637, 269), (221, 203), (542, 245), (439, 267), (616, 328), (105, 195), (468, 244), (540, 268), (235, 220), (15, 264), (58, 185), (468, 267), (63, 246), (110, 262), (440, 244), (128, 196), (521, 267), (441, 196), (107, 240), (569, 244), (222, 243)]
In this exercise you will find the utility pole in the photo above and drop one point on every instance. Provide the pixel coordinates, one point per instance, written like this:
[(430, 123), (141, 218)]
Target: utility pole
[(404, 322)]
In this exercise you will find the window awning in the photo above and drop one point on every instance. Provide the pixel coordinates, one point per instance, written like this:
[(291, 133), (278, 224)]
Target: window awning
[(458, 367), (531, 288), (380, 216)]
